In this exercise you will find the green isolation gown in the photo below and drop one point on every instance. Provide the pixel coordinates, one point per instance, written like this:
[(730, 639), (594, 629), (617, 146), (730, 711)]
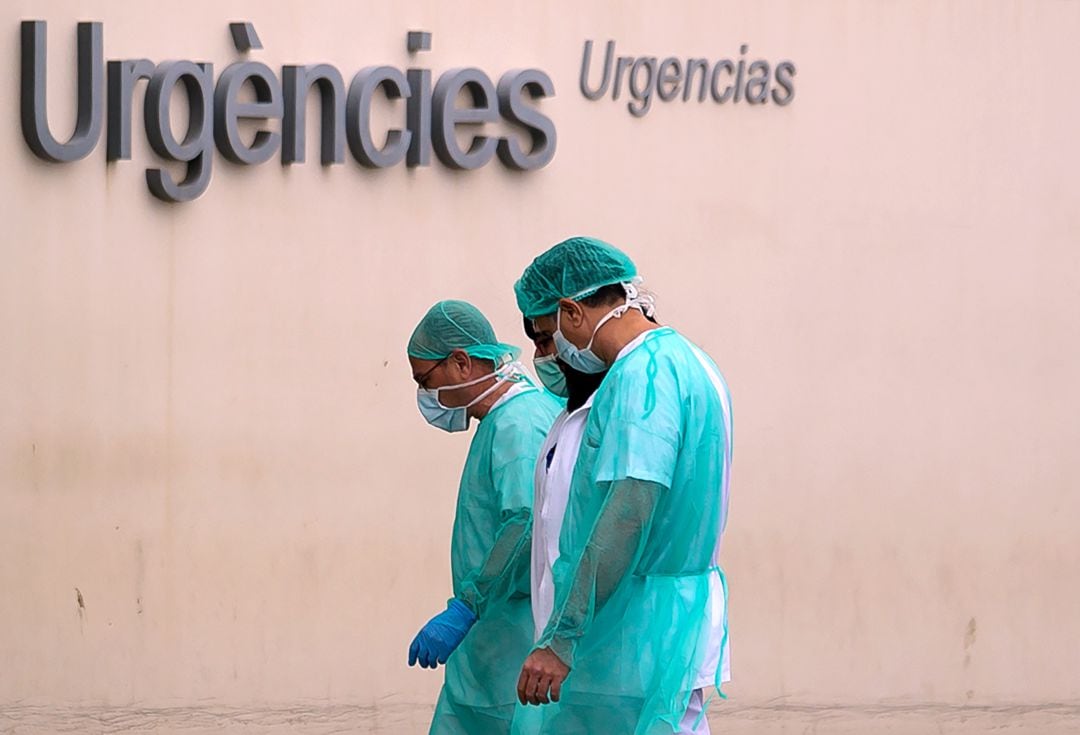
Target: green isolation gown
[(638, 570), (490, 566)]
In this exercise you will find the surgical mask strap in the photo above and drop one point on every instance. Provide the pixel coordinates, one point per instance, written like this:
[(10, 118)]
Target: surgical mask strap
[(640, 298), (636, 298), (502, 374), (499, 380), (466, 384)]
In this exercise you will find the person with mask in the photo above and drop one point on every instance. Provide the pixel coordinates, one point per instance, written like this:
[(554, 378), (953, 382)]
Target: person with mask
[(555, 466), (638, 629), (462, 373)]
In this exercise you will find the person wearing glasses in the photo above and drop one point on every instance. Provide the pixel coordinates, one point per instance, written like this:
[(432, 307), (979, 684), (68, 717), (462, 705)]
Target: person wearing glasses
[(463, 373)]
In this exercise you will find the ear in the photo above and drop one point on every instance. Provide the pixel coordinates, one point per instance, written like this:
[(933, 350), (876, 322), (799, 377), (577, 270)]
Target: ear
[(571, 312), (459, 364)]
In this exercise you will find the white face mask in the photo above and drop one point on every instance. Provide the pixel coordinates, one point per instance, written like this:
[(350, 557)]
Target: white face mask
[(583, 359), (456, 418)]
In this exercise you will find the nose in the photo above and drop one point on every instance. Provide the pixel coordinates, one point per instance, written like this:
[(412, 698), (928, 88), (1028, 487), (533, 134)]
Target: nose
[(545, 348)]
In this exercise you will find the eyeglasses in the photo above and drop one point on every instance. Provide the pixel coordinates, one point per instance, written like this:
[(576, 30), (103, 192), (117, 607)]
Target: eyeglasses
[(422, 380)]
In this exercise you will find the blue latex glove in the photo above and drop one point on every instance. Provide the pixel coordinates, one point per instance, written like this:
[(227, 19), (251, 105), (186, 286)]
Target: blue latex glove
[(441, 635)]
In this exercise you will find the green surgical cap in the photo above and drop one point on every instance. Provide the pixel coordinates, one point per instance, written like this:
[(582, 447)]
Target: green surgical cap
[(573, 269), (457, 325)]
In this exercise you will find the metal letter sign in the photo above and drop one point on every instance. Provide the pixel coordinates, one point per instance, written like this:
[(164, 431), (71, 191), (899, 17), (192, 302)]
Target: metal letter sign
[(431, 111), (215, 111)]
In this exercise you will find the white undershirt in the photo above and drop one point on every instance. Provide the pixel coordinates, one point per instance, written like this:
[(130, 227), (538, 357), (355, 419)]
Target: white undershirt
[(551, 490)]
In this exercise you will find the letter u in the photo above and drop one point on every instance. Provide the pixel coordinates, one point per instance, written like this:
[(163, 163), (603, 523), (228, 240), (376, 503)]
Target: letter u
[(586, 62), (35, 117)]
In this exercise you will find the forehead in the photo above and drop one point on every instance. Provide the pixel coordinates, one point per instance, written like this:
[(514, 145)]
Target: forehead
[(544, 325)]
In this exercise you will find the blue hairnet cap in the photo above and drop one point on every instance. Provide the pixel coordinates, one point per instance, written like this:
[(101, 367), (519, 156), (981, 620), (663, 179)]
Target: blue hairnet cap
[(457, 325), (573, 269)]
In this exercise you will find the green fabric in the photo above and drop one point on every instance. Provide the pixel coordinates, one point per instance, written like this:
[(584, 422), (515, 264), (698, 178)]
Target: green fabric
[(457, 325), (499, 575), (573, 269), (610, 552), (457, 719), (647, 503), (491, 529)]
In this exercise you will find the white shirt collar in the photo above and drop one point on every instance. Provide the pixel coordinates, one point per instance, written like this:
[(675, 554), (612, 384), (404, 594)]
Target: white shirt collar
[(635, 343), (515, 388), (584, 406)]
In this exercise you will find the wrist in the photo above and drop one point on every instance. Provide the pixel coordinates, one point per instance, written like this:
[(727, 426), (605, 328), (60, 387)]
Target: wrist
[(462, 608), (564, 648)]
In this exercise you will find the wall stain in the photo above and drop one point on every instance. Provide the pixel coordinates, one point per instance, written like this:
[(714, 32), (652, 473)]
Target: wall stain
[(80, 609), (970, 636), (140, 576)]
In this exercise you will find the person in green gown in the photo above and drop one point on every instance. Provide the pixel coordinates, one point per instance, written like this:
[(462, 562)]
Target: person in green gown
[(462, 373), (638, 632)]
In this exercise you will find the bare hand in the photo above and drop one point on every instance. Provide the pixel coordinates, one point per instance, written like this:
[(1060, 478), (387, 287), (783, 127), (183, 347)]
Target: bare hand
[(543, 671)]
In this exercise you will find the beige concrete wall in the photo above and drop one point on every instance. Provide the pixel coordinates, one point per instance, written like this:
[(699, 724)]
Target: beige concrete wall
[(207, 427)]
